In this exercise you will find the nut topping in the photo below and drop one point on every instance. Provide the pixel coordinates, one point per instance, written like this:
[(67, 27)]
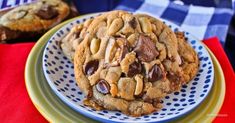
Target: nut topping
[(116, 25), (95, 45), (139, 84), (110, 50), (18, 15), (145, 25)]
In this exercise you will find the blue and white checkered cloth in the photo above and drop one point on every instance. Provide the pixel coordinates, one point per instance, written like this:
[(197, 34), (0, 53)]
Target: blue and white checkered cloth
[(202, 22)]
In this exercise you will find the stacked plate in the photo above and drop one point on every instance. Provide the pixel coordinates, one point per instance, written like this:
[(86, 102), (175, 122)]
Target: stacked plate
[(53, 90)]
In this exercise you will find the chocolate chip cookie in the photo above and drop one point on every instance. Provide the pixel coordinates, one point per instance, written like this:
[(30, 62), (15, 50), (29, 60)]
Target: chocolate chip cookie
[(188, 56), (32, 18), (129, 62), (73, 38)]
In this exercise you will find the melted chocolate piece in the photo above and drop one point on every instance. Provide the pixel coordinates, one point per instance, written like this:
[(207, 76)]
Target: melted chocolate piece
[(176, 81), (133, 23), (124, 47), (91, 67), (102, 86), (77, 34), (134, 68), (123, 75), (173, 77), (7, 35), (155, 74), (47, 12), (182, 61), (145, 49), (90, 93), (147, 99), (124, 51)]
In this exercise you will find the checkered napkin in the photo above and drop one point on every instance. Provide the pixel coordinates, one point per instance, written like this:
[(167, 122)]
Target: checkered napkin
[(202, 22)]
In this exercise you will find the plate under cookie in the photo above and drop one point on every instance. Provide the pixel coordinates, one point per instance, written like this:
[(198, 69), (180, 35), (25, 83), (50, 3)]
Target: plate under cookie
[(58, 71)]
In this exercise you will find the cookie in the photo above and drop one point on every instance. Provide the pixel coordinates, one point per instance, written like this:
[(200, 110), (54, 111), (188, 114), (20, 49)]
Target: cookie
[(36, 17), (130, 62), (73, 38), (190, 62)]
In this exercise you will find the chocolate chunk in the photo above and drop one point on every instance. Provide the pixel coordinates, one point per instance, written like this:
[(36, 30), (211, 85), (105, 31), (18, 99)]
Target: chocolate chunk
[(47, 12), (140, 95), (102, 86), (133, 23), (77, 34), (145, 49), (7, 34), (182, 61), (173, 77), (134, 68), (176, 81), (90, 93), (123, 75), (147, 99), (91, 67), (124, 47), (155, 74), (124, 51)]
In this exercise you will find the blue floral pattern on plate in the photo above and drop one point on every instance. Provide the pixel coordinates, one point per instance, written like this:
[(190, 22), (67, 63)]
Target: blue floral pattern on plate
[(59, 73)]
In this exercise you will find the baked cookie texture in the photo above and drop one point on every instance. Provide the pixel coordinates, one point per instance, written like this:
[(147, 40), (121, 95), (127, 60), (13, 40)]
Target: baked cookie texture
[(189, 58), (75, 36), (129, 62), (32, 18)]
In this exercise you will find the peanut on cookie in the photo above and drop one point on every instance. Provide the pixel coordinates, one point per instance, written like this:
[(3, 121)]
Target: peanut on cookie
[(129, 62)]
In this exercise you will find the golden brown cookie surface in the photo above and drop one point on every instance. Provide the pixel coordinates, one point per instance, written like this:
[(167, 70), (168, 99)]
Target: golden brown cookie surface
[(190, 62), (35, 17), (130, 62)]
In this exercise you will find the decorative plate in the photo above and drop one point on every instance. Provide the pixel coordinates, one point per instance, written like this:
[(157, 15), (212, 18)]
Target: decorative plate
[(59, 73), (54, 110)]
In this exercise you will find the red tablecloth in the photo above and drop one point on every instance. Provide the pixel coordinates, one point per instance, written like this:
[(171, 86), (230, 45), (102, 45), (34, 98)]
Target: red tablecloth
[(16, 106)]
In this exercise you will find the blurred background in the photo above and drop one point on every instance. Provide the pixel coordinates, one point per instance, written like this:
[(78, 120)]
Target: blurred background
[(90, 6)]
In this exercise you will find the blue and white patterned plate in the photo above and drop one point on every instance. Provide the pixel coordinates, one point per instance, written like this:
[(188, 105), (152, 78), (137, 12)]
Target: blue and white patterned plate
[(59, 73)]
